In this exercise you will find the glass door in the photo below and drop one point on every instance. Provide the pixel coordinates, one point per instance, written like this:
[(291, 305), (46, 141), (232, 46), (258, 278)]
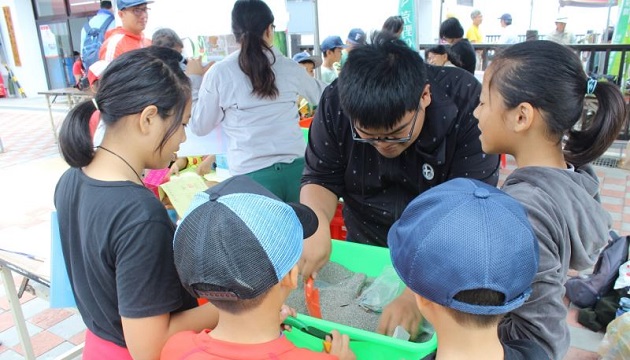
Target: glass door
[(57, 51)]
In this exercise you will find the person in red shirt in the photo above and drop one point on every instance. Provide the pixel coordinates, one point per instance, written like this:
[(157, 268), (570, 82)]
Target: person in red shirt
[(134, 15), (77, 68), (238, 247)]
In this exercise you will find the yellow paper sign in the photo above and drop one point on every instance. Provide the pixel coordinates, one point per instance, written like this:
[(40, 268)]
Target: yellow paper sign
[(181, 190)]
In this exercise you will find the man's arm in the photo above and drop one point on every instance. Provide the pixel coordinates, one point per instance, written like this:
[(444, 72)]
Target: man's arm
[(317, 248), (323, 179)]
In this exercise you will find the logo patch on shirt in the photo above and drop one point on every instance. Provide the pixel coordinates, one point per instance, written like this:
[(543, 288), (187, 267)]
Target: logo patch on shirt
[(428, 172)]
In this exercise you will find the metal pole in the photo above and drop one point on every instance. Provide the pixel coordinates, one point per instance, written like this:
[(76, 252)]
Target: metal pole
[(605, 39), (316, 50), (531, 13)]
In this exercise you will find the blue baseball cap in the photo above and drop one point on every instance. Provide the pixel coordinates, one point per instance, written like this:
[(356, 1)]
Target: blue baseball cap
[(356, 36), (238, 240), (123, 4), (305, 56), (465, 235), (332, 42)]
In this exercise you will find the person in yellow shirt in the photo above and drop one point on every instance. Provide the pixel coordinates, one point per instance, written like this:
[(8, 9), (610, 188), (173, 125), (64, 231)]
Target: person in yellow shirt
[(473, 34)]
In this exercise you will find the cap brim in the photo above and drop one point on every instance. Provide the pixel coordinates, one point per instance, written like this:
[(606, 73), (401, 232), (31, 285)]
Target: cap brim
[(244, 184), (307, 218), (315, 60)]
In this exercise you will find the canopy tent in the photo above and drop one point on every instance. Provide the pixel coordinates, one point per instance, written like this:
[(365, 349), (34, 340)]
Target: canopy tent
[(589, 3)]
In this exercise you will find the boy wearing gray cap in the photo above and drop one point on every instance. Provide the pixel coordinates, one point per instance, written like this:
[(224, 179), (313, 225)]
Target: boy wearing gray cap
[(468, 252), (238, 247)]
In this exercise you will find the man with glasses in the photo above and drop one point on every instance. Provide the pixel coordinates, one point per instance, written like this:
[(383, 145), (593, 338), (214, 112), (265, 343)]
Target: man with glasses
[(388, 129), (134, 15)]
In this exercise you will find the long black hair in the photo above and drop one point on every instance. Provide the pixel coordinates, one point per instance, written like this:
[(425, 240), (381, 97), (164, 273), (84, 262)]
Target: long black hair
[(550, 77), (133, 81), (250, 20)]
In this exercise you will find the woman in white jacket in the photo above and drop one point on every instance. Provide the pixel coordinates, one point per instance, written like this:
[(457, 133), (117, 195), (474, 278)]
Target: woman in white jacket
[(252, 94)]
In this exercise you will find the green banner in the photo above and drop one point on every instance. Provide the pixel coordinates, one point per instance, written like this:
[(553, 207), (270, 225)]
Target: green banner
[(621, 36), (407, 10)]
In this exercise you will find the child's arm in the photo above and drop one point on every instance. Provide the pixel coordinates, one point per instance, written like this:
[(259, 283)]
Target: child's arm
[(340, 346), (179, 164), (206, 165), (145, 337)]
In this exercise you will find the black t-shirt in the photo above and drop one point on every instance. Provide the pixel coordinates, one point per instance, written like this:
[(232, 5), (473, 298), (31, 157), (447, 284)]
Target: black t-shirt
[(464, 53), (376, 189), (116, 239), (516, 350)]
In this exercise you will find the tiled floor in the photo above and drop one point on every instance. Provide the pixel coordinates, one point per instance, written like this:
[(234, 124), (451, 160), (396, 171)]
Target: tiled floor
[(29, 169)]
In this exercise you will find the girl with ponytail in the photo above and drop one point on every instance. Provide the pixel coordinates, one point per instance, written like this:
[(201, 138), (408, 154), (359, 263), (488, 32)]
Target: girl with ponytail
[(252, 94), (531, 107), (116, 236)]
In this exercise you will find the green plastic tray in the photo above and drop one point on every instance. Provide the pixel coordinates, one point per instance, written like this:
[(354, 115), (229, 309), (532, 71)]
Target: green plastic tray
[(370, 260), (305, 133)]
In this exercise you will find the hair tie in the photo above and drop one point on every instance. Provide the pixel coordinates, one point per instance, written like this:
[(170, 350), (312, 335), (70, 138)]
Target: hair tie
[(95, 104), (591, 84)]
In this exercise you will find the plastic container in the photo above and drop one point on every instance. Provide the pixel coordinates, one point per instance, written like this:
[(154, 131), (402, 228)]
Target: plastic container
[(305, 124), (338, 229), (365, 344)]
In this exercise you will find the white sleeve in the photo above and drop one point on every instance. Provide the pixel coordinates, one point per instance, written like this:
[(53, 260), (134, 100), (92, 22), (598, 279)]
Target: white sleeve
[(207, 112), (310, 88)]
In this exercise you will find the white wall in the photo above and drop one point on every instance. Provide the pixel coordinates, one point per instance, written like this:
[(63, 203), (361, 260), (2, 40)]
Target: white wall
[(31, 75)]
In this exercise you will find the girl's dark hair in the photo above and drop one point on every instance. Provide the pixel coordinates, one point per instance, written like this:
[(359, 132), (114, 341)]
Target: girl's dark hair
[(451, 28), (438, 49), (167, 38), (250, 20), (550, 77), (394, 24), (446, 50), (133, 81)]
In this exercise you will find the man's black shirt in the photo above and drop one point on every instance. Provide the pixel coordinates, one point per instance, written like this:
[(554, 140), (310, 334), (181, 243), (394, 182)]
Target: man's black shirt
[(376, 189)]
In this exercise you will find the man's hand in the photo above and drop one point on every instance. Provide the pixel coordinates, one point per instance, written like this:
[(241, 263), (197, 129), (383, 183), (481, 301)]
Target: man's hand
[(316, 251), (340, 346), (317, 248), (402, 311)]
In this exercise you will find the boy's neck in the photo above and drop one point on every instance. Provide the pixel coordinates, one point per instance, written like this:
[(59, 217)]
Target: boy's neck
[(463, 343), (256, 326)]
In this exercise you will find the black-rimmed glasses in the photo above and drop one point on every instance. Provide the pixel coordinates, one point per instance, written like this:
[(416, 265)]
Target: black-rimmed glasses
[(138, 11), (405, 139)]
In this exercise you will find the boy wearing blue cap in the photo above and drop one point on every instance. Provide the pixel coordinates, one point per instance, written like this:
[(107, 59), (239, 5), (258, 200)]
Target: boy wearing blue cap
[(468, 252), (238, 247), (331, 50)]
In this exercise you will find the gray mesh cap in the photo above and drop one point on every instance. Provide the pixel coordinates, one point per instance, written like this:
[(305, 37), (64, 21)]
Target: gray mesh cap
[(238, 240)]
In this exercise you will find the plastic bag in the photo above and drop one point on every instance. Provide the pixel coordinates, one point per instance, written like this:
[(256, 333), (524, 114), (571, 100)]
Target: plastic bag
[(616, 342), (385, 288)]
